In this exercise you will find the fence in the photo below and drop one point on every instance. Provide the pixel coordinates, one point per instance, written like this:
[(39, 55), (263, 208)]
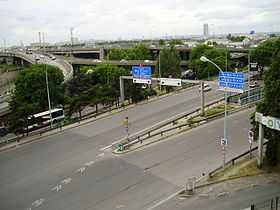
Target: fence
[(269, 204)]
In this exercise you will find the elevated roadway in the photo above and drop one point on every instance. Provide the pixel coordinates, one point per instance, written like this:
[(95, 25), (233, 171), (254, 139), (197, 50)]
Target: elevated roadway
[(34, 58)]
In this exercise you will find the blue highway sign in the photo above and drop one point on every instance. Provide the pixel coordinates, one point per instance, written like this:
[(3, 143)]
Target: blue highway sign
[(142, 72), (231, 82)]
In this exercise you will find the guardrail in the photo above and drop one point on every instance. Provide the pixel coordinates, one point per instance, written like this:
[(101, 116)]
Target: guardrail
[(233, 160), (147, 133)]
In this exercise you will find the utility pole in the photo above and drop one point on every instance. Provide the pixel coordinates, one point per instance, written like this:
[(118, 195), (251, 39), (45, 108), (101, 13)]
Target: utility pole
[(40, 40), (126, 124), (48, 94), (72, 41), (249, 75), (43, 35), (4, 45), (159, 72)]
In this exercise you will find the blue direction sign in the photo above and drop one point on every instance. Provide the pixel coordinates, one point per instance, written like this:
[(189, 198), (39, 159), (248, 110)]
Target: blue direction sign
[(231, 82), (142, 72)]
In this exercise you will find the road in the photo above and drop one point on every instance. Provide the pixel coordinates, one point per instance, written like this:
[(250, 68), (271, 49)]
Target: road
[(87, 178)]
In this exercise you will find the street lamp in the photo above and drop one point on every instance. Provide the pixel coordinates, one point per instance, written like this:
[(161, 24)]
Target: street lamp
[(48, 94), (205, 59)]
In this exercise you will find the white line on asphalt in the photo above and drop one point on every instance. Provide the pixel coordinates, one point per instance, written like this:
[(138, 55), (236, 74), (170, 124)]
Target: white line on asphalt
[(100, 155), (57, 188), (81, 170), (104, 148), (164, 200), (66, 181), (88, 164), (38, 203)]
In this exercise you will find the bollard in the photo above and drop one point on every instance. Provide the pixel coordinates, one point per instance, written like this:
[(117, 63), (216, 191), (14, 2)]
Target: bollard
[(276, 203)]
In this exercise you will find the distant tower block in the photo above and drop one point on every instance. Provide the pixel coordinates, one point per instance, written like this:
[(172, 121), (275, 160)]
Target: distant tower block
[(205, 30)]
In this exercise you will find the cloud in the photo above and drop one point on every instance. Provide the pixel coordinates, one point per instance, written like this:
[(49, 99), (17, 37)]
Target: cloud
[(111, 19)]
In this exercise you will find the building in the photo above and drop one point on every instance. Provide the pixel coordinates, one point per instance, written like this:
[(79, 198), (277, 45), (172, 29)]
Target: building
[(205, 30)]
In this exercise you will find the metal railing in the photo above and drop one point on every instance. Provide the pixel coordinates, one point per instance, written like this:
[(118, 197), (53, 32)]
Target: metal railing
[(269, 204), (233, 160), (155, 130)]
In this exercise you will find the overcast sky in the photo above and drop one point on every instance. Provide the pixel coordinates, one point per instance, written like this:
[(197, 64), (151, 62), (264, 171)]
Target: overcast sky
[(114, 19)]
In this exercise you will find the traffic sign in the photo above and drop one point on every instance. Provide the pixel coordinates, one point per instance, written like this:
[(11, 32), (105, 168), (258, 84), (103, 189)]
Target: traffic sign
[(250, 136), (253, 67), (170, 82), (142, 72), (142, 81), (231, 82), (224, 142)]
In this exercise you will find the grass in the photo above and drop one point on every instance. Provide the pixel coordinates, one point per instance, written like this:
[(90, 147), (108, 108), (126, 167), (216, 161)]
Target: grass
[(7, 68), (246, 167)]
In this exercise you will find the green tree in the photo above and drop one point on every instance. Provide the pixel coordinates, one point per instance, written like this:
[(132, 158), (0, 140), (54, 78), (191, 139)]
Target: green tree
[(176, 42), (117, 54), (203, 70), (270, 106), (266, 51), (30, 95), (170, 63)]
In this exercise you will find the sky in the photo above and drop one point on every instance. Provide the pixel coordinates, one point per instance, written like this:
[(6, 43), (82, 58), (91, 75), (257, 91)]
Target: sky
[(21, 20)]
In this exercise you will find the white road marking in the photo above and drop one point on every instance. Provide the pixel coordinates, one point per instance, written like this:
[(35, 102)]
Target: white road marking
[(57, 188), (90, 163), (104, 148), (28, 209), (81, 170), (164, 200), (38, 203), (66, 181), (100, 155)]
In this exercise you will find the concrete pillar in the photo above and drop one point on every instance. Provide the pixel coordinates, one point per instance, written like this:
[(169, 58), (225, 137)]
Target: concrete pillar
[(121, 89), (260, 146), (202, 98)]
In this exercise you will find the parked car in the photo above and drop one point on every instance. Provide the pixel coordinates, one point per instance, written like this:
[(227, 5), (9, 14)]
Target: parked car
[(253, 84), (3, 131)]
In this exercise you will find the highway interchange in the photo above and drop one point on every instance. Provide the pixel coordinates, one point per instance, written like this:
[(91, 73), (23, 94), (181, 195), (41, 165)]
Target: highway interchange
[(71, 170)]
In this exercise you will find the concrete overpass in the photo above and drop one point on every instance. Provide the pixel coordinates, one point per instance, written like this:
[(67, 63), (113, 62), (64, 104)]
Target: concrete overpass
[(25, 59), (100, 53)]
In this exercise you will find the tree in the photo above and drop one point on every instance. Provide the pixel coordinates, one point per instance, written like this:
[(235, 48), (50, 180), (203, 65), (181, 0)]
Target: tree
[(266, 51), (100, 86), (30, 95), (202, 69), (270, 106), (170, 63), (138, 52)]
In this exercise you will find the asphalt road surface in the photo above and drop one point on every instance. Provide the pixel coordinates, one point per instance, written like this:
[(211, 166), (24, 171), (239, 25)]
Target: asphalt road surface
[(69, 171)]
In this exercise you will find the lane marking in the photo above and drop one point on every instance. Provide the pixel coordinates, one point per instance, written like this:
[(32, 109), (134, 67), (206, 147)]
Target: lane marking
[(105, 148), (66, 181), (164, 200), (57, 188), (100, 155), (90, 163), (81, 170), (38, 203)]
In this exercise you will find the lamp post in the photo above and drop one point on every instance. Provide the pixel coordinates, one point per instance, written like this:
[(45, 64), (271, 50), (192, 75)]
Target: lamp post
[(204, 59), (48, 94)]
